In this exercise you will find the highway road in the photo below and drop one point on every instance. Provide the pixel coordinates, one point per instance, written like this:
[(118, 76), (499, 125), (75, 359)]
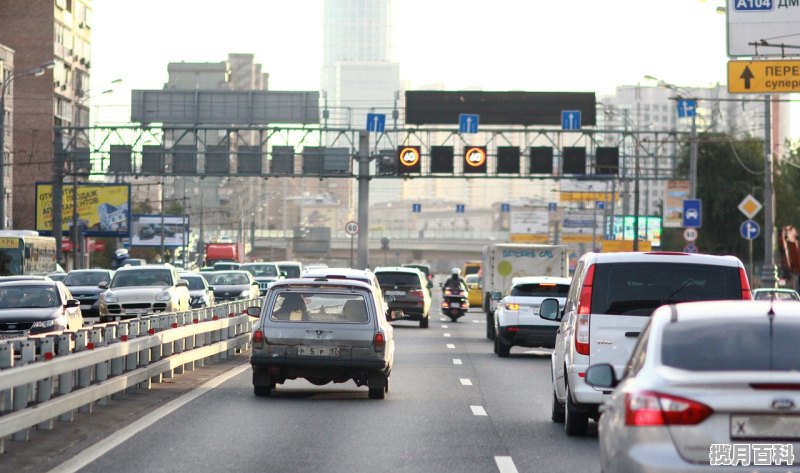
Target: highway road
[(453, 406)]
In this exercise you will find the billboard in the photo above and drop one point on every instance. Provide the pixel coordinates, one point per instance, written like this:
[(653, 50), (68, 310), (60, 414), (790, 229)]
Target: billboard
[(103, 209), (676, 193), (761, 28), (649, 229), (147, 230)]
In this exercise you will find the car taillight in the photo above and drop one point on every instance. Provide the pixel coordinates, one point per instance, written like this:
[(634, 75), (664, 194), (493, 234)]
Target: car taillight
[(584, 311), (379, 342), (648, 408), (258, 339), (746, 294), (417, 293), (512, 306)]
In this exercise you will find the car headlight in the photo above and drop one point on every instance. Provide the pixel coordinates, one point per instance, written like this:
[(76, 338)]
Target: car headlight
[(110, 297), (164, 297), (245, 293), (59, 322)]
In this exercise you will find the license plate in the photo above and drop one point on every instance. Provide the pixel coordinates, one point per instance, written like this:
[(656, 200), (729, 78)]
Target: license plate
[(455, 305), (135, 311), (318, 351), (765, 427), (7, 335), (395, 293), (86, 307)]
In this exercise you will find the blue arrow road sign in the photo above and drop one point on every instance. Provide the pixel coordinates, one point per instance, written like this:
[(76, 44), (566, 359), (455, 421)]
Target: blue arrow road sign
[(459, 208), (416, 208), (599, 205), (570, 119), (552, 206), (376, 122), (690, 249), (692, 213), (505, 207), (749, 230), (468, 123), (687, 108)]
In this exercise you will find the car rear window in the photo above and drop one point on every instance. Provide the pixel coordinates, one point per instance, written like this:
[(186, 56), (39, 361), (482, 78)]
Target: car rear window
[(291, 270), (540, 290), (229, 279), (398, 279), (777, 295), (639, 288), (260, 270), (320, 307), (425, 270), (733, 345), (86, 278)]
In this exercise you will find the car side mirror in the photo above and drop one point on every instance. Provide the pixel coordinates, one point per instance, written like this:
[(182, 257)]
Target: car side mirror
[(496, 295), (210, 288), (549, 310), (183, 283), (72, 303), (103, 285), (254, 311), (601, 375), (255, 283)]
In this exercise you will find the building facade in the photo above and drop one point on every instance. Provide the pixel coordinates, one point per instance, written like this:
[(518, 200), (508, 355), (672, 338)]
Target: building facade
[(40, 31)]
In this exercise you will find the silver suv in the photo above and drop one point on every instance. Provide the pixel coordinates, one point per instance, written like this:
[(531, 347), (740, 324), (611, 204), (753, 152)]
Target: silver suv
[(610, 300), (140, 290), (323, 331)]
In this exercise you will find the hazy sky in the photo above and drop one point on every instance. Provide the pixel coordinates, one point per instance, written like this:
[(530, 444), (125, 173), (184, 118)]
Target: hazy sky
[(533, 45)]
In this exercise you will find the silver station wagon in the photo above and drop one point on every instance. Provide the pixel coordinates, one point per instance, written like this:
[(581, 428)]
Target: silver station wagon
[(323, 331)]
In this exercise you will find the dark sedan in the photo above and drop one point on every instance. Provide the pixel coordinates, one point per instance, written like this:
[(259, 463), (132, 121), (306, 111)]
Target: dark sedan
[(32, 307), (234, 285), (200, 293), (83, 284)]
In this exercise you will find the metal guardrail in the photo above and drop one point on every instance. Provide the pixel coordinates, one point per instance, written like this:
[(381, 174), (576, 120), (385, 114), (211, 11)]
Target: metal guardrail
[(49, 377)]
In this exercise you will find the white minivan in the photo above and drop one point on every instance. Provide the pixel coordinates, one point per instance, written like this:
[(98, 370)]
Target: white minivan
[(610, 300)]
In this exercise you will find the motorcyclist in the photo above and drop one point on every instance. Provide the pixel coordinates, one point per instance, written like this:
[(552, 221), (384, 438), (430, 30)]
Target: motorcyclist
[(455, 281), (118, 260)]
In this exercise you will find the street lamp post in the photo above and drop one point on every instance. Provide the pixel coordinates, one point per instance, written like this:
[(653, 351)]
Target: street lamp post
[(37, 71)]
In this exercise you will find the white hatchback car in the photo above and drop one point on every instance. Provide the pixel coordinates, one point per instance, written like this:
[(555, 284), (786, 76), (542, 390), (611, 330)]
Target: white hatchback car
[(610, 300), (516, 320), (711, 386)]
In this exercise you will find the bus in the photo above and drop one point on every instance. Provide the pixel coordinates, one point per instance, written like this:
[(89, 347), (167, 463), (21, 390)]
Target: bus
[(24, 252)]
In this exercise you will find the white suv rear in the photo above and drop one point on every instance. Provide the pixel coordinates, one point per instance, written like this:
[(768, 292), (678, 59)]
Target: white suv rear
[(610, 300)]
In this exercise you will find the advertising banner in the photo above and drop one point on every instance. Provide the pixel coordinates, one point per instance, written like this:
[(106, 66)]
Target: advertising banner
[(147, 230), (103, 209), (676, 193)]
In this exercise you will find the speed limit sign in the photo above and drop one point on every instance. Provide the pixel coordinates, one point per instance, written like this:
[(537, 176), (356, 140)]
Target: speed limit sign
[(351, 228)]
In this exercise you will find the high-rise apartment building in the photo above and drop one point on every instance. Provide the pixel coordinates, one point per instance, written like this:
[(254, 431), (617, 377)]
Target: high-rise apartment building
[(7, 109), (40, 31)]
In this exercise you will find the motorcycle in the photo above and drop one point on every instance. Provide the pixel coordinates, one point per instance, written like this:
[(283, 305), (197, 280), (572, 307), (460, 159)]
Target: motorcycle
[(454, 302)]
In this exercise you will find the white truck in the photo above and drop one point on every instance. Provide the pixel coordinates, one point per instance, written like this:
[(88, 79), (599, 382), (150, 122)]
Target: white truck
[(503, 262)]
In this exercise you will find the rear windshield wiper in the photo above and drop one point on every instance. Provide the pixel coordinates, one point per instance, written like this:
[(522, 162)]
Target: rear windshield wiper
[(689, 282)]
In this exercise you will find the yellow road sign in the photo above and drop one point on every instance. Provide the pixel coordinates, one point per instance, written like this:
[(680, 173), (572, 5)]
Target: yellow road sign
[(763, 77)]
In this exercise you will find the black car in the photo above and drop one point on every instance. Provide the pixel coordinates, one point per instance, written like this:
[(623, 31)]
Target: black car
[(33, 307), (200, 293), (83, 284)]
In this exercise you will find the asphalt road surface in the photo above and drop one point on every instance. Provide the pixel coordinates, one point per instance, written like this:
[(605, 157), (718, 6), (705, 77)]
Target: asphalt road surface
[(453, 406)]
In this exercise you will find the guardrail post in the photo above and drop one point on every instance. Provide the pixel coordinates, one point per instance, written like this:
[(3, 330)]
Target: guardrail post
[(82, 343), (155, 352), (44, 387), (131, 359), (6, 361), (99, 339), (200, 338), (166, 323), (179, 321), (67, 380), (22, 394), (189, 342), (144, 354)]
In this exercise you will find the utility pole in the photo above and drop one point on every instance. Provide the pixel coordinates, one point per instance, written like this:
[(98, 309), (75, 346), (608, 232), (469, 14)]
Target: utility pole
[(363, 199), (58, 191), (768, 273), (162, 220), (693, 158)]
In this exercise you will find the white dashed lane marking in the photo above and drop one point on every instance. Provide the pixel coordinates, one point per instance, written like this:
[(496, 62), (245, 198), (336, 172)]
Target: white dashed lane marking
[(478, 411), (465, 382), (505, 464), (444, 326), (451, 346), (456, 361), (447, 335)]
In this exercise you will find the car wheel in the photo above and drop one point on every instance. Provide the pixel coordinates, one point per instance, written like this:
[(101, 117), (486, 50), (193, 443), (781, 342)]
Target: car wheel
[(576, 423), (557, 412), (490, 326), (423, 322), (379, 393), (262, 391), (503, 348)]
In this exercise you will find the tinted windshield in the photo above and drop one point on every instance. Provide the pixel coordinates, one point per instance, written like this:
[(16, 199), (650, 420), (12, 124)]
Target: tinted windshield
[(736, 345), (28, 297), (142, 277), (540, 290), (87, 278), (291, 270), (229, 279), (397, 279), (261, 270), (320, 307), (195, 282), (225, 266), (639, 288)]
